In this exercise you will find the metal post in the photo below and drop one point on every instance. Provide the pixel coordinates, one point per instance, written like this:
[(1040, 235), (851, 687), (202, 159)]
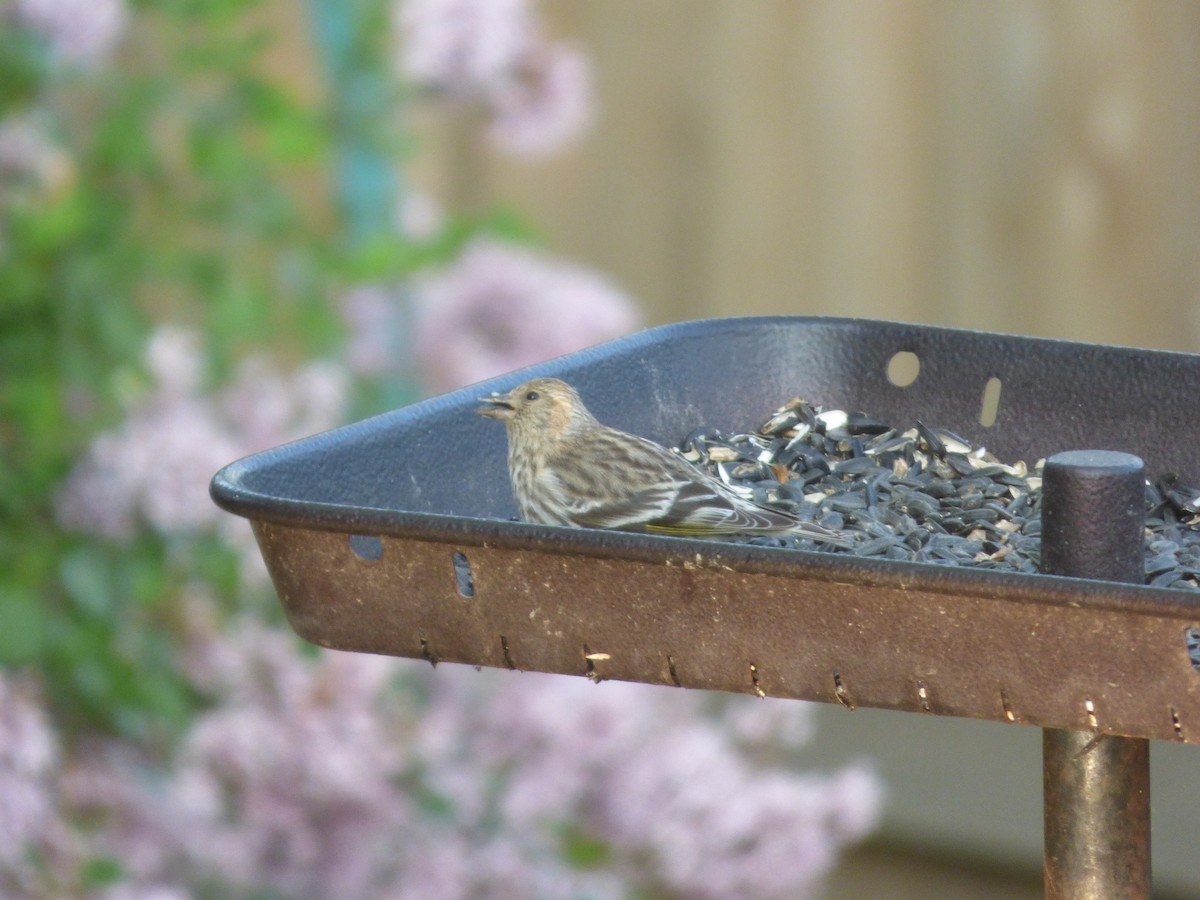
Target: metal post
[(1096, 787)]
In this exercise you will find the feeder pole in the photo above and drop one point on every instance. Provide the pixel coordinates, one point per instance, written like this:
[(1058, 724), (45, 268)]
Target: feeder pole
[(1096, 787)]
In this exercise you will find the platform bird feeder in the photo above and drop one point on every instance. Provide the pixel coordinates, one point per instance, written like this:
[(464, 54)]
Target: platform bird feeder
[(397, 535)]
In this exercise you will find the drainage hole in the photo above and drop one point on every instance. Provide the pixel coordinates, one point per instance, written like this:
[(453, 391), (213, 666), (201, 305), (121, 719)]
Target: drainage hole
[(903, 368), (462, 575), (366, 546)]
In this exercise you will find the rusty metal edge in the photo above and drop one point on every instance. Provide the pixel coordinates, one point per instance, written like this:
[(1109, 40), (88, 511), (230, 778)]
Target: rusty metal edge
[(896, 648), (1052, 590)]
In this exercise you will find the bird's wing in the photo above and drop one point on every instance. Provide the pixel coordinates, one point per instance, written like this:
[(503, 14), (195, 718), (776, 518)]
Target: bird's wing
[(698, 511), (630, 482), (608, 479)]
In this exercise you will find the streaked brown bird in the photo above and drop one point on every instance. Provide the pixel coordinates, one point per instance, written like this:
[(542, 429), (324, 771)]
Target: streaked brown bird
[(569, 469)]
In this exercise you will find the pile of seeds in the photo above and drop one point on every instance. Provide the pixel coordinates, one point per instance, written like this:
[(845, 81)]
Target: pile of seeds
[(921, 495)]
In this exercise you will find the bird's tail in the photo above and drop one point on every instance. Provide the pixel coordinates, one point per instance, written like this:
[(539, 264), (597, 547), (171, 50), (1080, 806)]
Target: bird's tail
[(821, 534)]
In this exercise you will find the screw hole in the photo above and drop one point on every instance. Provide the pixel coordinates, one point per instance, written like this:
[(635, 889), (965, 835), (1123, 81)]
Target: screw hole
[(903, 368), (991, 403), (366, 546), (462, 575), (1192, 637)]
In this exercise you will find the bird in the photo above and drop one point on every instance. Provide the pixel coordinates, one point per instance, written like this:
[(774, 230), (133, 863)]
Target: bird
[(569, 469)]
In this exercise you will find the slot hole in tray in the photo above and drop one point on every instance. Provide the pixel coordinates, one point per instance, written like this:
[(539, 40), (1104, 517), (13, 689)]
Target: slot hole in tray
[(991, 402), (462, 574), (1191, 637)]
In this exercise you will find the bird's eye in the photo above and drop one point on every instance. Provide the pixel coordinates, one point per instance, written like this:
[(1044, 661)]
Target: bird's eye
[(532, 395)]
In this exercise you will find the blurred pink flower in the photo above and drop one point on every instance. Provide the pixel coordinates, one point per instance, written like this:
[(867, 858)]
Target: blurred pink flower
[(852, 803), (655, 774), (375, 320), (263, 407), (493, 52), (288, 784), (31, 163), (291, 781), (106, 783), (501, 307), (342, 774), (772, 722), (80, 32), (28, 753), (147, 892), (459, 46), (33, 837), (175, 359), (545, 104), (155, 467)]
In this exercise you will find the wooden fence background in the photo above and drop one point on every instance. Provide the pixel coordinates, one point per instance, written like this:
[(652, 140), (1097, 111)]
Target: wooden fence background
[(1024, 166)]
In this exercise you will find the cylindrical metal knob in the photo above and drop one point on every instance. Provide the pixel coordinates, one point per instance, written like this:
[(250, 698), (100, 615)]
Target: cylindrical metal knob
[(1096, 787), (1094, 515)]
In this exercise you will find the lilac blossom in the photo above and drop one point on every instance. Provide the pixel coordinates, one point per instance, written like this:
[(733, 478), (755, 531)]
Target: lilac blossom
[(354, 775), (545, 105), (308, 757), (501, 307), (33, 167), (374, 315), (492, 52), (175, 360), (264, 407), (147, 892), (286, 785), (30, 824), (666, 785), (31, 162), (461, 46), (80, 32), (107, 783), (154, 468)]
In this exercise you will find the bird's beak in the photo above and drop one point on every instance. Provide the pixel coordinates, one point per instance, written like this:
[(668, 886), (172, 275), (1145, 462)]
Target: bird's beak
[(498, 407)]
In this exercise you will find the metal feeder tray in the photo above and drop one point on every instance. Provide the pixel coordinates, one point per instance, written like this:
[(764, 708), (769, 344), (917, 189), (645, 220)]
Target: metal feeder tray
[(395, 535)]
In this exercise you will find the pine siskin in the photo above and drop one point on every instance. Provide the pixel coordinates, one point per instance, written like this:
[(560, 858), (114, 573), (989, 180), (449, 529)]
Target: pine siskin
[(568, 469)]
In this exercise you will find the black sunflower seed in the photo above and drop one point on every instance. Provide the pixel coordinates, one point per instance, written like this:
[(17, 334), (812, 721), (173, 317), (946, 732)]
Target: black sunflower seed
[(918, 492)]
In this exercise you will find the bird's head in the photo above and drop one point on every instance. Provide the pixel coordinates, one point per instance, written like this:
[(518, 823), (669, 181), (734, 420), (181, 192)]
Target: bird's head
[(545, 406)]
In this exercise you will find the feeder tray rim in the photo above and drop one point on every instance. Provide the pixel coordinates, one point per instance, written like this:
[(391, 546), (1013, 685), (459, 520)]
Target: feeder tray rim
[(229, 491)]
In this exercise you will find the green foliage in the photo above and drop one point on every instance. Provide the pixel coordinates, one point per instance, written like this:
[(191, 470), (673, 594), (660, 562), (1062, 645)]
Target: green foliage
[(190, 187), (101, 872), (184, 182), (581, 850), (23, 67)]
